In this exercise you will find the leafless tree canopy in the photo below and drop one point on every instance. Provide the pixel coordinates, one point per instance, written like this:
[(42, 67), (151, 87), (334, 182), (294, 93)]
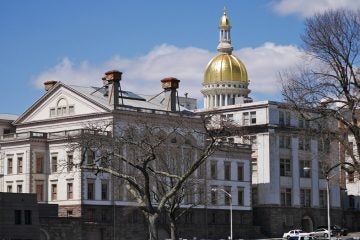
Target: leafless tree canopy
[(155, 160), (328, 84)]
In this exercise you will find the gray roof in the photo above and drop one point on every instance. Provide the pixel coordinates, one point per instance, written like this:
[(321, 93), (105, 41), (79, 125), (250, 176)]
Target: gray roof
[(156, 102), (8, 117)]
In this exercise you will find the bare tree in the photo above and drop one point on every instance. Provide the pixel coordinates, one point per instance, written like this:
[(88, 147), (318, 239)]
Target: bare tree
[(155, 158), (327, 87)]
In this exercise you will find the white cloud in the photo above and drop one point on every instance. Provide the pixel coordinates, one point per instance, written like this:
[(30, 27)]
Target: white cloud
[(143, 74), (264, 64), (306, 8)]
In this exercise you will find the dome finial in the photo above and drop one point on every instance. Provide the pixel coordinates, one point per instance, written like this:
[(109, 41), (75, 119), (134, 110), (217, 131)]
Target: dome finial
[(225, 39)]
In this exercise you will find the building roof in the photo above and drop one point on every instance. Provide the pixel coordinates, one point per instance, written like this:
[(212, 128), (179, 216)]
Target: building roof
[(156, 102), (8, 117)]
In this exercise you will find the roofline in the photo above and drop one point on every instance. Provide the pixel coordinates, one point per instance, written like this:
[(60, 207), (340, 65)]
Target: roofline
[(50, 91)]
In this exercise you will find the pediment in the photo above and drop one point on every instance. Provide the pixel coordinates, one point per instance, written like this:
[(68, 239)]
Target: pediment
[(60, 102)]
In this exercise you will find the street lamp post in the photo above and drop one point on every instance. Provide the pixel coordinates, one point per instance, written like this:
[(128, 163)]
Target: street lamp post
[(231, 218), (342, 164)]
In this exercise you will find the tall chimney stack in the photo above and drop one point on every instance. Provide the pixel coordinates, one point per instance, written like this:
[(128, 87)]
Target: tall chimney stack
[(49, 84), (170, 84), (112, 80)]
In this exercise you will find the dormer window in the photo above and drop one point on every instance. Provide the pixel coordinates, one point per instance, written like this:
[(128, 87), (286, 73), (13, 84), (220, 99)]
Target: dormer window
[(62, 109)]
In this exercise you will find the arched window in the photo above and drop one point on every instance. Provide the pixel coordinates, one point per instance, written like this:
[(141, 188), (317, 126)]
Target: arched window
[(62, 108)]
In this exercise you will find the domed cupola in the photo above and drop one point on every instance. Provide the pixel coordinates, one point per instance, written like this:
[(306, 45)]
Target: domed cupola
[(225, 78)]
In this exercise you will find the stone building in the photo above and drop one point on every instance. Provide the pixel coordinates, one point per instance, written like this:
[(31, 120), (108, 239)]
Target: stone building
[(37, 158), (288, 182)]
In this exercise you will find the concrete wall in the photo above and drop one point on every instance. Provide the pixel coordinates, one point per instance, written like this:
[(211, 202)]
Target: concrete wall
[(9, 229), (274, 221), (130, 224)]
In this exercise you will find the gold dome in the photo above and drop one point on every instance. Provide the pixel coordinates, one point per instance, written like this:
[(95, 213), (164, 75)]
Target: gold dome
[(224, 21), (224, 68)]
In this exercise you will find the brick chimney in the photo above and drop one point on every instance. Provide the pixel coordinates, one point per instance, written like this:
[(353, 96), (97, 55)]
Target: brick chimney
[(170, 84), (111, 82), (49, 84)]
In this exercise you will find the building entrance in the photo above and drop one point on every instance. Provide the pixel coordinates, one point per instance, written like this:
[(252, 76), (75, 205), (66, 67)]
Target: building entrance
[(307, 224)]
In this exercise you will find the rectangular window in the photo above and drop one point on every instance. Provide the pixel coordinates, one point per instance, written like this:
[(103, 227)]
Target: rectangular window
[(285, 167), (90, 157), (52, 112), (253, 117), (286, 197), (246, 119), (70, 162), (9, 188), (69, 213), (305, 197), (201, 194), (71, 110), (70, 191), (240, 195), (281, 118), (281, 141), (226, 196), (20, 165), (301, 123), (227, 171), (202, 171), (104, 191), (9, 166), (40, 192), (39, 163), (285, 142), (6, 131), (53, 192), (240, 172), (90, 191), (305, 168), (287, 118), (17, 217), (213, 196), (19, 188), (54, 164), (27, 217), (307, 144), (213, 170), (322, 198), (301, 143), (189, 196)]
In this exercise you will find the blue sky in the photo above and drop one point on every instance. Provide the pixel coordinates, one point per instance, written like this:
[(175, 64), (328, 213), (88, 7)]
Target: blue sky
[(76, 41)]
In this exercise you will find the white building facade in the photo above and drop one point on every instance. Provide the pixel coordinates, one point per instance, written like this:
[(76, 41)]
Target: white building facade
[(288, 159), (38, 158)]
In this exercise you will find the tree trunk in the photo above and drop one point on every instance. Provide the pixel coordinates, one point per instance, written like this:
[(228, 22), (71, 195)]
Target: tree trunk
[(173, 229), (153, 231)]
